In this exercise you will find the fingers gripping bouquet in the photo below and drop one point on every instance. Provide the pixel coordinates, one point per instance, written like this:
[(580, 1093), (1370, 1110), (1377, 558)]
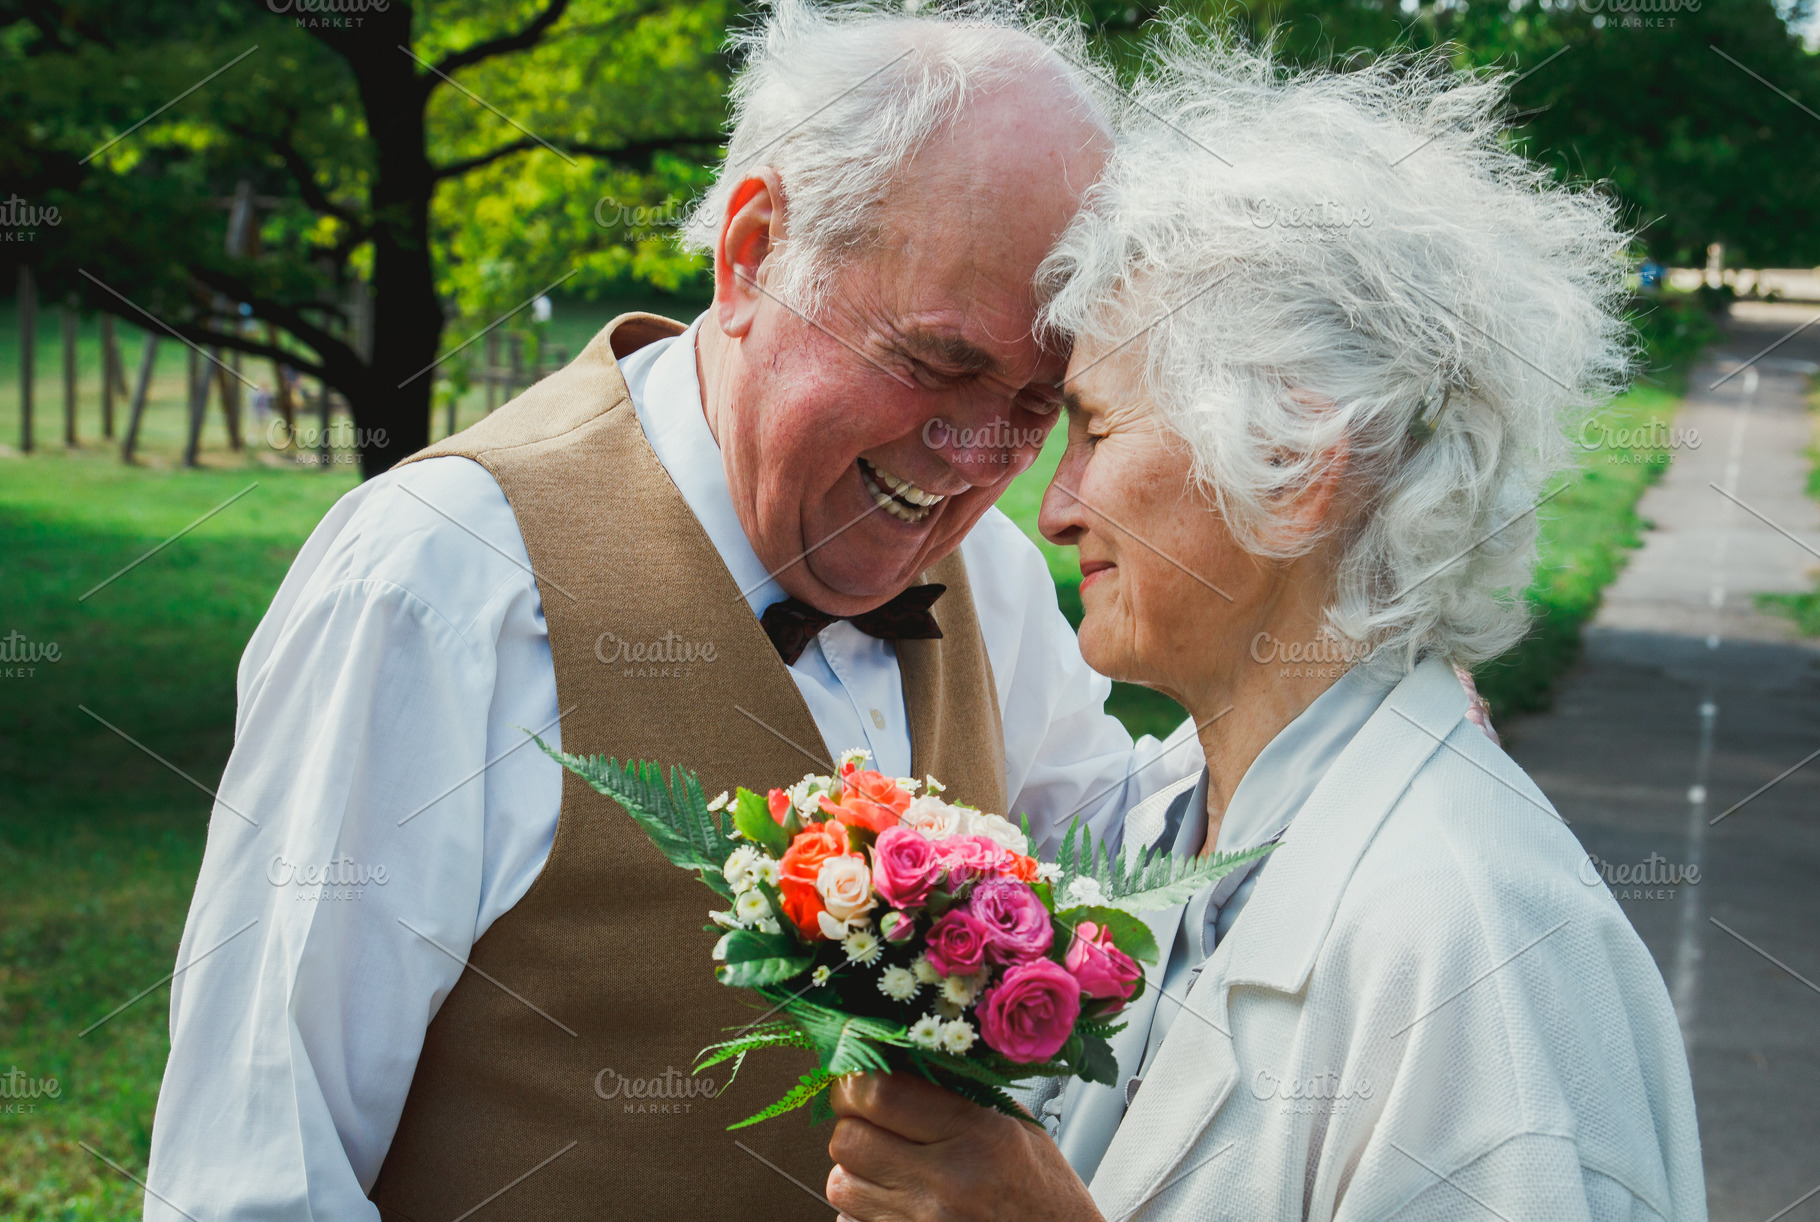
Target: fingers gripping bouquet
[(888, 930)]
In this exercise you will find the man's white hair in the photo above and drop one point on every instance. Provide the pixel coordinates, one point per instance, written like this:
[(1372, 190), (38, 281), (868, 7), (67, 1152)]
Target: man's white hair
[(838, 97), (1355, 259)]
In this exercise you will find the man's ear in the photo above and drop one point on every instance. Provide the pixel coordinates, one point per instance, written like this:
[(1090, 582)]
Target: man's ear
[(749, 235)]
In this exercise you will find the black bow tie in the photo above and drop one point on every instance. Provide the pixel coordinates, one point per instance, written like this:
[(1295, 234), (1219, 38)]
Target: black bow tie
[(793, 623)]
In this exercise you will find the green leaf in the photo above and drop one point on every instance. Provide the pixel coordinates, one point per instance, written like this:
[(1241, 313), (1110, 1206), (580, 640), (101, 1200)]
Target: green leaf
[(1097, 1064), (758, 959), (811, 1085), (752, 816), (771, 1035), (1129, 933)]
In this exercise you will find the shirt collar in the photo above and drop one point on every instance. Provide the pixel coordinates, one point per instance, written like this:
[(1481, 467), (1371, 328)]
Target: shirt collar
[(666, 394)]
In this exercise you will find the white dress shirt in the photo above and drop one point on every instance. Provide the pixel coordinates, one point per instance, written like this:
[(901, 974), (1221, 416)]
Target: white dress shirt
[(381, 809)]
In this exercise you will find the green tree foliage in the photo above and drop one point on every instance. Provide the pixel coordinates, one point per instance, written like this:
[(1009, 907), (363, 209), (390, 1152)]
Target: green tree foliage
[(455, 157)]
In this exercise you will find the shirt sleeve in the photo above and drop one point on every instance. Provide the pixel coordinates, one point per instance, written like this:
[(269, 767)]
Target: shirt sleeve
[(377, 813), (1065, 756)]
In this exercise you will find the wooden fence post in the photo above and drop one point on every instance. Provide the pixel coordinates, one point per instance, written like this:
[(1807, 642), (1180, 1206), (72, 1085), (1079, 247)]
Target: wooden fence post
[(69, 376), (229, 386), (199, 406), (137, 412), (28, 350), (110, 374)]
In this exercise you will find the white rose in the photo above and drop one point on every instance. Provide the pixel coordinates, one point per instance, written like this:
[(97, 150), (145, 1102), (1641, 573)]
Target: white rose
[(845, 885), (1001, 830), (932, 817)]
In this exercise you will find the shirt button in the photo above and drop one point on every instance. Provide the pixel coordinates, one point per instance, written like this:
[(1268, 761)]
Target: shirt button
[(878, 719)]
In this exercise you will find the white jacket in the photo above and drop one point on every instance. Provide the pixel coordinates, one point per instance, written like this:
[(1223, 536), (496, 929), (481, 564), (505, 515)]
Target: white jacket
[(1422, 1012)]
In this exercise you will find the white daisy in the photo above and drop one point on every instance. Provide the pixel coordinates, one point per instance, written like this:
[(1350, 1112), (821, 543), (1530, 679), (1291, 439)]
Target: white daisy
[(751, 906), (924, 970), (719, 803), (1048, 872), (933, 785), (1085, 890), (820, 975), (898, 984), (766, 871), (862, 946), (947, 1009), (726, 920), (957, 1036), (740, 864), (926, 1032), (767, 925), (957, 990), (857, 756)]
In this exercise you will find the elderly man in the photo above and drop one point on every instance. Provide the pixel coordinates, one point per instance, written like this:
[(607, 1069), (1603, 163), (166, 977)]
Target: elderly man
[(743, 548)]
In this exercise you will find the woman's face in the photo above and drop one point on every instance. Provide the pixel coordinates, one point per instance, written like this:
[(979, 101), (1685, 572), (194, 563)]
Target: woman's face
[(1171, 599)]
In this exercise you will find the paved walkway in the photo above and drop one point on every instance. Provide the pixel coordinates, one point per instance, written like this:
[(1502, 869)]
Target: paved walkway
[(1687, 703)]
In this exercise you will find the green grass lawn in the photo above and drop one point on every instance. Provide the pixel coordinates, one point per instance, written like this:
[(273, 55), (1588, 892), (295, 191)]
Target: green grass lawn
[(100, 844)]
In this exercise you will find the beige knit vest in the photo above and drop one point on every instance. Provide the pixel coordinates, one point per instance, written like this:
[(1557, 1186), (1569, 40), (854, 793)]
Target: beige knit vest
[(553, 1082)]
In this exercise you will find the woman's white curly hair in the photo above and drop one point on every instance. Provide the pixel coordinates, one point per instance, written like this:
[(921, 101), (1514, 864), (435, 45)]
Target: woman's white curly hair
[(1355, 259), (840, 97)]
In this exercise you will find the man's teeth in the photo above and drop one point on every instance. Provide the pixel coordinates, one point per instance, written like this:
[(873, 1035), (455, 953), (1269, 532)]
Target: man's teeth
[(905, 501)]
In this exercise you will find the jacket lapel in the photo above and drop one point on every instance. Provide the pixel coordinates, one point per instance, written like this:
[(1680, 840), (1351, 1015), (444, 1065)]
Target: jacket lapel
[(1091, 1112), (1275, 941)]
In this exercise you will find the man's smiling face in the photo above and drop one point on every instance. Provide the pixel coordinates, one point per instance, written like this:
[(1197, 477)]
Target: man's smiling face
[(839, 436)]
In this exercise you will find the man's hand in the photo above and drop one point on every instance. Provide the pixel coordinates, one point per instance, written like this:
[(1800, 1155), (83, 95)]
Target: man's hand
[(908, 1151)]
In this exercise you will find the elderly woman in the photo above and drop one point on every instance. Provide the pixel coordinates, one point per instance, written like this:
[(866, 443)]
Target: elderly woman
[(1329, 335)]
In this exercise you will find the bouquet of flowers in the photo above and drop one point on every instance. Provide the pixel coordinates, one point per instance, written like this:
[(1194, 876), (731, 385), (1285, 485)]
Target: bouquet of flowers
[(890, 931)]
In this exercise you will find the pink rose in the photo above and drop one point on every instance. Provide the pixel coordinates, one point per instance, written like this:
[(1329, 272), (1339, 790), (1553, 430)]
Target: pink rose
[(973, 857), (957, 944), (905, 867), (1017, 924), (1030, 1014), (1102, 969)]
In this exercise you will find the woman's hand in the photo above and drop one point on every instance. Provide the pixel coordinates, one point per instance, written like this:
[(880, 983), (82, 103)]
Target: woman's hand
[(908, 1151)]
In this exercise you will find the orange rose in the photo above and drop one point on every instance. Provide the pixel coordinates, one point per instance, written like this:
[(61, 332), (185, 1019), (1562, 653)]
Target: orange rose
[(797, 873), (778, 802), (868, 799), (1023, 868)]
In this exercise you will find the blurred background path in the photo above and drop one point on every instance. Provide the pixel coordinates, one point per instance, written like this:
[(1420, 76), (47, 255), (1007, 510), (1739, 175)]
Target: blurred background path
[(1670, 749)]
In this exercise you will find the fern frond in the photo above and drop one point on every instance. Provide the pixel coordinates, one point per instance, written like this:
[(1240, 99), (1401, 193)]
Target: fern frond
[(811, 1085), (674, 815), (1155, 880)]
